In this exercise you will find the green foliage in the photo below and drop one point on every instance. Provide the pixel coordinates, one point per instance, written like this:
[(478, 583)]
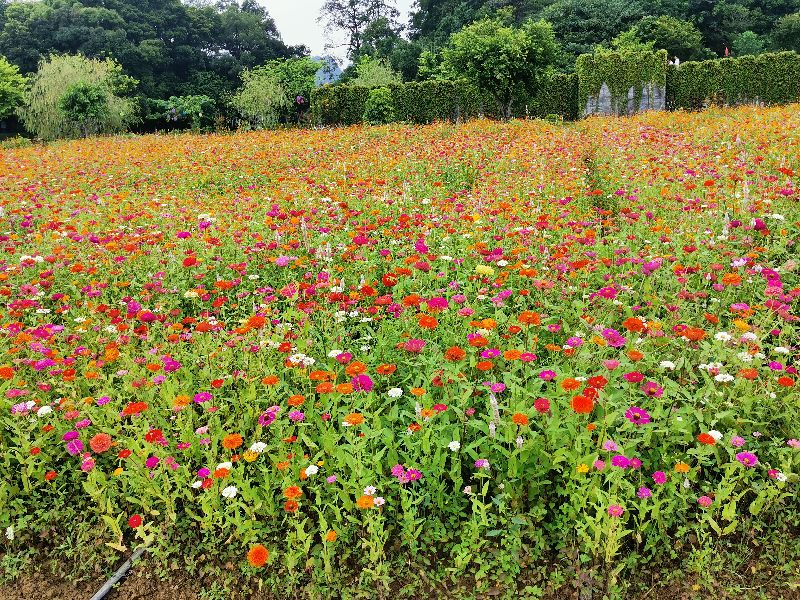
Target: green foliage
[(85, 106), (277, 91), (500, 59), (748, 43), (12, 88), (679, 38), (42, 112), (786, 35), (196, 111), (379, 108), (620, 71), (445, 100), (372, 72), (772, 78)]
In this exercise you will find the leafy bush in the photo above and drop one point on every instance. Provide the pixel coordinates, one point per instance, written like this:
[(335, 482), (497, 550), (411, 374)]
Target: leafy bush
[(85, 106), (12, 88), (42, 113), (379, 108), (772, 78), (195, 111), (621, 71)]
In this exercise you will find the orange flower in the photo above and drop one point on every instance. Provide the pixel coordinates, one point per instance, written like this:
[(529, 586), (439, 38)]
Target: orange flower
[(454, 354), (478, 341), (270, 380), (345, 388), (296, 400), (695, 334), (291, 506), (182, 400), (356, 368), (354, 419), (330, 536), (520, 419), (256, 321), (484, 365), (100, 443), (582, 405), (785, 381), (258, 556), (731, 279), (570, 384), (707, 439), (633, 324), (326, 387), (364, 502), (386, 369), (529, 318), (428, 322), (414, 427), (293, 492), (512, 354), (748, 373), (635, 355), (231, 441), (415, 391), (681, 467)]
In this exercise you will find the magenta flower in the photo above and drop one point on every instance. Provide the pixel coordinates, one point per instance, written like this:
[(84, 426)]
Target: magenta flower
[(547, 375), (297, 416), (652, 389), (202, 397), (481, 463), (362, 383), (748, 459), (415, 345), (637, 416), (620, 461), (644, 492), (737, 441), (615, 510), (660, 477)]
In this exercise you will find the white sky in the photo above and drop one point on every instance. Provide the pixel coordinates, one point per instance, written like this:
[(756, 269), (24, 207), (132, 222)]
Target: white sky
[(297, 23)]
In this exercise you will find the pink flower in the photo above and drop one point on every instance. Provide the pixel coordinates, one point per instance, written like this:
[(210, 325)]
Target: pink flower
[(414, 345), (615, 510), (704, 501)]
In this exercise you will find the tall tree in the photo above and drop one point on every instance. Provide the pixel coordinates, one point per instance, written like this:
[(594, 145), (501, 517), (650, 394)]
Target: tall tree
[(353, 17)]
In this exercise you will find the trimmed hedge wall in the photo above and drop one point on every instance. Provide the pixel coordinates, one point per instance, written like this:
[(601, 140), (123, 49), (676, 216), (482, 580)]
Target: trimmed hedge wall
[(428, 101), (620, 71), (769, 78)]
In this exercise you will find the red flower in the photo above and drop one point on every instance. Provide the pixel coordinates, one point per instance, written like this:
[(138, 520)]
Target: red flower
[(135, 521), (707, 439)]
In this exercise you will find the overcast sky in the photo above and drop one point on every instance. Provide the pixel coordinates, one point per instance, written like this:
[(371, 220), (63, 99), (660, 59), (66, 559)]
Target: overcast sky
[(297, 23)]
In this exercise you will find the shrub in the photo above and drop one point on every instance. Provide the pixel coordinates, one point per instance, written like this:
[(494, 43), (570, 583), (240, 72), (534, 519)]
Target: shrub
[(85, 106), (772, 78), (379, 108), (75, 76), (12, 88), (197, 112)]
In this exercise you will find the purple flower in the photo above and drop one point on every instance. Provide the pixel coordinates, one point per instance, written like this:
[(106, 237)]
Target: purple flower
[(610, 446), (297, 416), (74, 447), (637, 416), (331, 479), (481, 463), (644, 492), (620, 461), (748, 459), (737, 441)]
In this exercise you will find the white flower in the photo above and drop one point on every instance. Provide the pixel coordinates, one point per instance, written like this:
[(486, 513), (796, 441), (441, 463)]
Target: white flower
[(10, 533), (379, 501), (715, 434), (781, 477), (229, 492), (258, 447), (252, 277), (780, 350), (44, 410), (395, 392), (686, 484), (312, 470), (723, 378), (447, 258), (369, 490), (744, 357), (468, 489), (749, 337), (196, 485), (191, 294), (502, 263), (455, 446), (667, 364), (777, 217), (334, 353), (225, 465), (723, 336)]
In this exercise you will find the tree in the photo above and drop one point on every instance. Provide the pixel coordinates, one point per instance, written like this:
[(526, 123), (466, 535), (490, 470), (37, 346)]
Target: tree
[(353, 18), (77, 78), (85, 105), (747, 43), (12, 88), (786, 35), (500, 59), (679, 38), (278, 90), (373, 72)]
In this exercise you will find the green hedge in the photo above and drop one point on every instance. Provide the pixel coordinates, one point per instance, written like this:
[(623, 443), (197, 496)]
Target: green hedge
[(429, 101), (769, 78), (620, 71)]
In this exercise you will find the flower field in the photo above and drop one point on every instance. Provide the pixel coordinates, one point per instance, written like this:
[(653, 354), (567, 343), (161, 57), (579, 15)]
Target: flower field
[(518, 354)]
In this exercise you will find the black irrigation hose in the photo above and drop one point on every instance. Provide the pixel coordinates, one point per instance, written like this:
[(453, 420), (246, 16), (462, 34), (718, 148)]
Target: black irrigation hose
[(101, 593)]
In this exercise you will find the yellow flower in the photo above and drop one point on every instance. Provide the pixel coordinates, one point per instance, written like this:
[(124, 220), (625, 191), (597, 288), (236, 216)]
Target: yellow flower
[(741, 325), (583, 468), (484, 270), (117, 471), (320, 463), (681, 467), (250, 455)]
